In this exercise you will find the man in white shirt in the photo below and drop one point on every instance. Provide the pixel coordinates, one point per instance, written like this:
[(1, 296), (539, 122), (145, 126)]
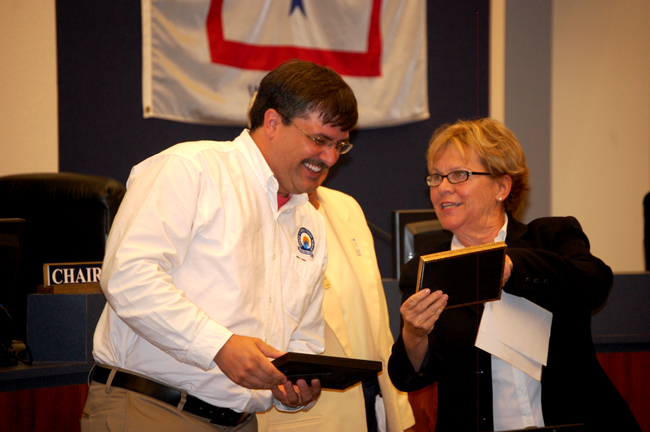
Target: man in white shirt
[(215, 263)]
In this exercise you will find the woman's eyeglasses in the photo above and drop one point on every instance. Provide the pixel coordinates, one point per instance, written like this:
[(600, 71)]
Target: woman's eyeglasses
[(454, 177)]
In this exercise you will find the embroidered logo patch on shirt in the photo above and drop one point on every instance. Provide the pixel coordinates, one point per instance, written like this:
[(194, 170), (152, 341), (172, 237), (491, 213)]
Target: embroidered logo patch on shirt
[(305, 242)]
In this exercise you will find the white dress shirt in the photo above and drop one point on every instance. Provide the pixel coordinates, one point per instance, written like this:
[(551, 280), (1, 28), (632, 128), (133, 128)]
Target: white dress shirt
[(199, 251), (516, 397)]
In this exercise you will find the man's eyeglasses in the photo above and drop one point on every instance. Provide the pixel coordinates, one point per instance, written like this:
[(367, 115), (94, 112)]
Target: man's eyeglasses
[(454, 177), (341, 147)]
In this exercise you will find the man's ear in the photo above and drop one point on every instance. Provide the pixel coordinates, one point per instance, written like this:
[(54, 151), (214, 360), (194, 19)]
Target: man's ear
[(272, 120)]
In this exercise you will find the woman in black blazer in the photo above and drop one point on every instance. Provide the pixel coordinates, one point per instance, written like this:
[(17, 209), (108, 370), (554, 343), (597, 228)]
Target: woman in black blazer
[(478, 177)]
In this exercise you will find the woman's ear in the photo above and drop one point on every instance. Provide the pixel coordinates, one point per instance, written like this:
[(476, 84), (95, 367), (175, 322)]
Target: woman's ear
[(504, 185)]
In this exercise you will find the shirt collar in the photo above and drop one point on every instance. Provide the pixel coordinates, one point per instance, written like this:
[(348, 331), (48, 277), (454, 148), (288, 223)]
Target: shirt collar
[(263, 171), (254, 156)]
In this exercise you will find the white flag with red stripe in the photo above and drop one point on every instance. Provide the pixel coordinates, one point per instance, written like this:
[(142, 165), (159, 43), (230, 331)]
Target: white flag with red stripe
[(203, 60)]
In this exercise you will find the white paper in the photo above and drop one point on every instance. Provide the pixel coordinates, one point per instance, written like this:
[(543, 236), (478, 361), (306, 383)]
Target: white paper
[(517, 331), (507, 354)]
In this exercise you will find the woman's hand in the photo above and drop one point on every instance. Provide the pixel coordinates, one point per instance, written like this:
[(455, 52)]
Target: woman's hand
[(507, 271), (420, 313)]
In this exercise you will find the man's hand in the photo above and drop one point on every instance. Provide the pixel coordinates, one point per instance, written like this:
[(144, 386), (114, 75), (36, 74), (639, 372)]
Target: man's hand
[(297, 395), (244, 360)]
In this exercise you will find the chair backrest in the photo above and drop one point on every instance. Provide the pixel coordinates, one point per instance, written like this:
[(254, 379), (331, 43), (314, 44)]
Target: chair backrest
[(67, 219), (12, 269)]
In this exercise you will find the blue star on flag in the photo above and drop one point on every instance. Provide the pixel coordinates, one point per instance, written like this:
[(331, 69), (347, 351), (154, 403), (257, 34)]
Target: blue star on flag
[(297, 4)]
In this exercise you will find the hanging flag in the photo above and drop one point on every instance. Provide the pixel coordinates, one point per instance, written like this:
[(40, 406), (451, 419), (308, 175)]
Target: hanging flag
[(203, 60)]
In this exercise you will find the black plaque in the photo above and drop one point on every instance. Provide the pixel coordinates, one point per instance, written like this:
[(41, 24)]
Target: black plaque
[(469, 276), (333, 372)]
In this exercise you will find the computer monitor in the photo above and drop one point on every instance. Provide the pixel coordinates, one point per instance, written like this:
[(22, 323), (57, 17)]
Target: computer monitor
[(408, 225)]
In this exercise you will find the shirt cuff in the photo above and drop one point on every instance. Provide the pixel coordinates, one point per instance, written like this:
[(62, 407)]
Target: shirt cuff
[(207, 344)]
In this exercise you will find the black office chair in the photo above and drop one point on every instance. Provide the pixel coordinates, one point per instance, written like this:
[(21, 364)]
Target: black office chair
[(12, 269), (67, 219)]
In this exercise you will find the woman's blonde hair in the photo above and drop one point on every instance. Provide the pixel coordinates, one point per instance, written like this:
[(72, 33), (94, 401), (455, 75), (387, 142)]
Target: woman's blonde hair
[(496, 147)]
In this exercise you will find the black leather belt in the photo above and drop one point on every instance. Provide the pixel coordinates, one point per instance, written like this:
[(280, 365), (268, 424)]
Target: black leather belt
[(127, 381)]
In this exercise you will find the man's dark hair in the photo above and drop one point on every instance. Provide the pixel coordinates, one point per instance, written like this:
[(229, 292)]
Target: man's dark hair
[(297, 87)]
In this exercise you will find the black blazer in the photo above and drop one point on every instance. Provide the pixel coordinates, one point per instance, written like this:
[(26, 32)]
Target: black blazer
[(552, 267)]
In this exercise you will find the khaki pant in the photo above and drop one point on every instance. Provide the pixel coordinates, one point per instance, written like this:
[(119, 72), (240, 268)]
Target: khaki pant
[(117, 410)]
